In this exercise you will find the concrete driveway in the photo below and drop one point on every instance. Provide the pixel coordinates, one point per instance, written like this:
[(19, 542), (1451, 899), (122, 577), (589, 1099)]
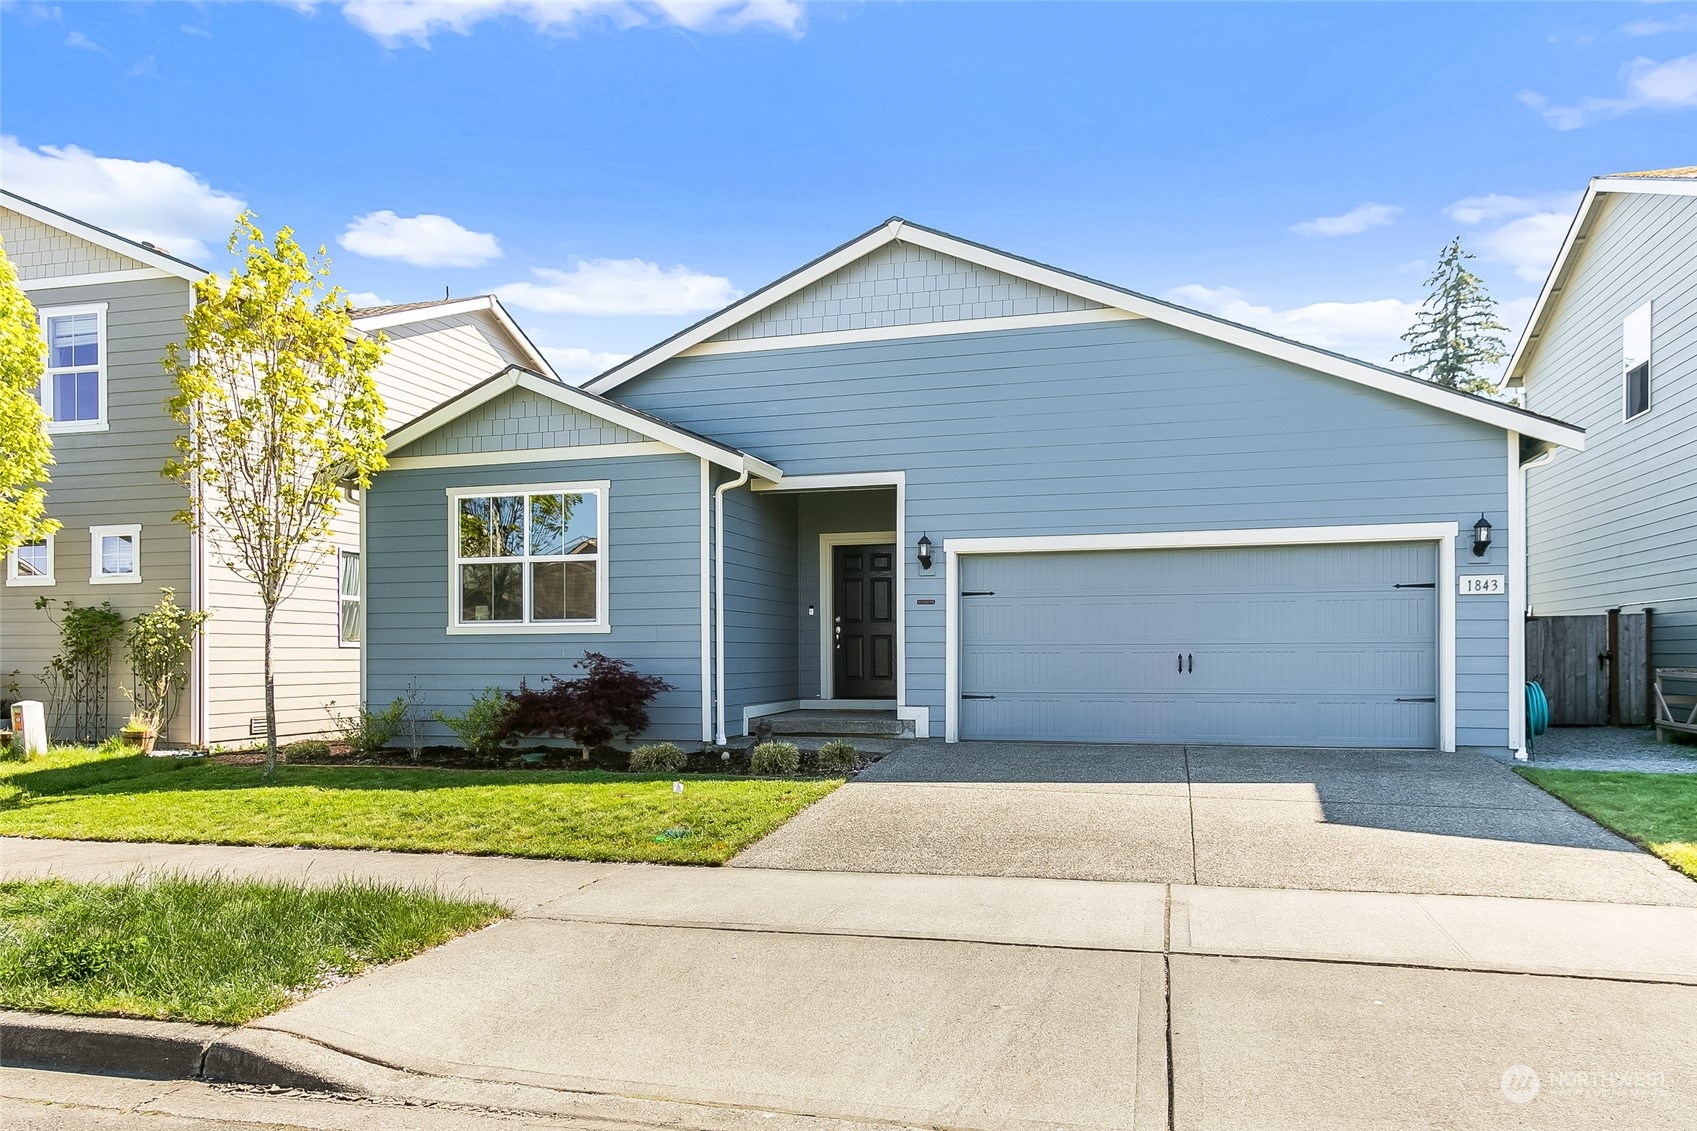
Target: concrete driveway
[(1331, 820)]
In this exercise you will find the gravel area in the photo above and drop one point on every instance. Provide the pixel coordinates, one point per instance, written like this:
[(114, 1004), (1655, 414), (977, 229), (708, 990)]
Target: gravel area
[(1612, 748)]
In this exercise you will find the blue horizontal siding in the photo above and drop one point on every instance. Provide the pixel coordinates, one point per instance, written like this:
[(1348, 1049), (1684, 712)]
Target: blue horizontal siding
[(1103, 428), (654, 566)]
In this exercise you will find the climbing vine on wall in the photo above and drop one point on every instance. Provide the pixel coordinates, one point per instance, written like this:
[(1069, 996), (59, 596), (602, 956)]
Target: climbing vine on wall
[(79, 676)]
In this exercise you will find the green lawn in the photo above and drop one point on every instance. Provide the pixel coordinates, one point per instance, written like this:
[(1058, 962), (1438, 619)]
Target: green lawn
[(206, 949), (1658, 811), (79, 793)]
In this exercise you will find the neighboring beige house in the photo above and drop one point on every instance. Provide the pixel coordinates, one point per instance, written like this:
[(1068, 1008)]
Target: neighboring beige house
[(109, 306)]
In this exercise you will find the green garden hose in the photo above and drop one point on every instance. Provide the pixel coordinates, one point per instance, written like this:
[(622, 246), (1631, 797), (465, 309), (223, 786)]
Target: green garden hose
[(1537, 712)]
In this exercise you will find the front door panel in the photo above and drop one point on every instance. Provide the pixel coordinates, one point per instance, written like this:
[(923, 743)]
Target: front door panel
[(864, 622)]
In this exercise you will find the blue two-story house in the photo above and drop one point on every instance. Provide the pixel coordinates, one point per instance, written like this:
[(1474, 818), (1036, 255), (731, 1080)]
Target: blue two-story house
[(993, 498)]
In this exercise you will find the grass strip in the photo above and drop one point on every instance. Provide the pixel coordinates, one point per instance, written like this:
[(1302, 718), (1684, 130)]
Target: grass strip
[(1655, 811)]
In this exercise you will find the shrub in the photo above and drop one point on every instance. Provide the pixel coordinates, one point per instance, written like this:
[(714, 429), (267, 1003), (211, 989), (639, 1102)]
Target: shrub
[(306, 748), (366, 730), (661, 758), (837, 757), (482, 728), (609, 698), (158, 647), (772, 758)]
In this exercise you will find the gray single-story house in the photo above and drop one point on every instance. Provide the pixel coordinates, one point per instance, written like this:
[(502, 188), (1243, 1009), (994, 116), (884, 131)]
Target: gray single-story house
[(998, 499)]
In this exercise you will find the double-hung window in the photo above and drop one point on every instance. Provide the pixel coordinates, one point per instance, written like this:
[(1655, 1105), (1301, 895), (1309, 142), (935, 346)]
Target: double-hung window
[(350, 607), (73, 388), (529, 559), (114, 555), (1635, 363), (31, 563)]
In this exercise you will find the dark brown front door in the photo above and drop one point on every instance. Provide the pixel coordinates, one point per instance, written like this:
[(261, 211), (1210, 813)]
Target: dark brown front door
[(864, 621)]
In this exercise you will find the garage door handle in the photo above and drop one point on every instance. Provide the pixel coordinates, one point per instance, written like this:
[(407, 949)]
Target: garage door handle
[(977, 593), (1420, 699), (1181, 663), (1190, 662), (965, 696), (1415, 585)]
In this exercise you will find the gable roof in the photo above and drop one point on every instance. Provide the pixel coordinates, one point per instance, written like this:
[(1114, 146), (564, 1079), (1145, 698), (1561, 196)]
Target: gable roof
[(518, 377), (1259, 341), (112, 241), (405, 313), (1680, 181)]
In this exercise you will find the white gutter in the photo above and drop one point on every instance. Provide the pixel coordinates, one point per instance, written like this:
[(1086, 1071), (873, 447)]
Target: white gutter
[(719, 583)]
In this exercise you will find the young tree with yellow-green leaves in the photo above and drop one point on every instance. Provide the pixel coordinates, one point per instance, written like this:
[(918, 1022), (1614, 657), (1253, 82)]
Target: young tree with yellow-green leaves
[(25, 450), (279, 408)]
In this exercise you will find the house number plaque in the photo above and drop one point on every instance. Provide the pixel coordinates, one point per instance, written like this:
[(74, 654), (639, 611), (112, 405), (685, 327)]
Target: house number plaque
[(1481, 584)]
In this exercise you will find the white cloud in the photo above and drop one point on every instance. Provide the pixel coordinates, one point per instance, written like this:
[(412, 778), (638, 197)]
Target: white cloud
[(576, 365), (619, 286), (1649, 86), (1532, 235), (1370, 330), (423, 241), (1351, 223), (1685, 21), (360, 299), (393, 22), (83, 43), (151, 201)]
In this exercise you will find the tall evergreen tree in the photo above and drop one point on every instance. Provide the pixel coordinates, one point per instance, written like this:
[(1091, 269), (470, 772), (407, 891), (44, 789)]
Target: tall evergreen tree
[(1456, 331)]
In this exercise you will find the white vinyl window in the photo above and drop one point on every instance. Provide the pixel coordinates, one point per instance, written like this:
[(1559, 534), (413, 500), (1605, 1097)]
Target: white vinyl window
[(31, 563), (350, 605), (1635, 363), (114, 555), (73, 388), (529, 559)]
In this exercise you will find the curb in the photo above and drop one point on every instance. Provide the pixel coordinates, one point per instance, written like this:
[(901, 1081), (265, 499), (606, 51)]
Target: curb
[(114, 1046)]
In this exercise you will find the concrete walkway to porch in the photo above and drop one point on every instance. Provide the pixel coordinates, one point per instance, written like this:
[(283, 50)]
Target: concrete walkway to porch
[(1312, 819)]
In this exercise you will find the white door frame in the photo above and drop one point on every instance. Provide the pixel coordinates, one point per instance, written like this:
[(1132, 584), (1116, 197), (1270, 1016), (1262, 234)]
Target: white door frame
[(1442, 534), (827, 593)]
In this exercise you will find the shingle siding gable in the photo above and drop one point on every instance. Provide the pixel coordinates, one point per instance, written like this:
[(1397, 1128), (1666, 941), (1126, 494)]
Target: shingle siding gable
[(40, 251), (519, 420)]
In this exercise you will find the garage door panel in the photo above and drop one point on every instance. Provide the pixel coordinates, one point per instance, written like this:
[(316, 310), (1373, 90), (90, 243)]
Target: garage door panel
[(1322, 645)]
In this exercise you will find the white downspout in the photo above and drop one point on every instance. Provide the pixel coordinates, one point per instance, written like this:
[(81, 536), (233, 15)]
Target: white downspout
[(719, 591)]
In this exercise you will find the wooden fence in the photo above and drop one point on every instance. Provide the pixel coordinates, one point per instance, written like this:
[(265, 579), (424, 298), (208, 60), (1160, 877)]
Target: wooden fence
[(1594, 669)]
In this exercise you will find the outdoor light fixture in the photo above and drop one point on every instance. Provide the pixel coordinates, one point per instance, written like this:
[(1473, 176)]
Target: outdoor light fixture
[(925, 551), (1481, 537)]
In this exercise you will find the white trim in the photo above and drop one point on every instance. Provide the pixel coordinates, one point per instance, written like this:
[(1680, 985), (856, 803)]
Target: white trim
[(46, 314), (1397, 384), (843, 481), (719, 594), (1442, 533), (93, 279), (602, 623), (827, 591), (480, 304), (358, 599), (129, 249), (706, 603), (533, 455), (1516, 599), (916, 330), (131, 530), (365, 624), (514, 377), (51, 577), (1627, 327)]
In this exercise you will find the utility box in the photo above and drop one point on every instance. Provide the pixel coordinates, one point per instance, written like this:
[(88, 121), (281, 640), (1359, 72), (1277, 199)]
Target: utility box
[(29, 728)]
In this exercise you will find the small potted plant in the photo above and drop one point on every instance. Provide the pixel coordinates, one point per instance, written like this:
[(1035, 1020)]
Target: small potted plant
[(142, 730)]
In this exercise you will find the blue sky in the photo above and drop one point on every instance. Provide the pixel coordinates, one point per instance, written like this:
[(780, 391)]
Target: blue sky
[(615, 170)]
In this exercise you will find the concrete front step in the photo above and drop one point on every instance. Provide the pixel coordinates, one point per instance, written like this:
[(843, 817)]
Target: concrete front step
[(839, 724)]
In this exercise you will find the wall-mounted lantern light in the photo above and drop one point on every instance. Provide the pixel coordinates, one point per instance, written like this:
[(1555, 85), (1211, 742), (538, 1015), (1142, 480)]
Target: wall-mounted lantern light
[(1481, 537), (925, 551)]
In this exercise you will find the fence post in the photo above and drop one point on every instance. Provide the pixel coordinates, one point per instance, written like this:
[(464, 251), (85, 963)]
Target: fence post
[(1614, 667), (1649, 665)]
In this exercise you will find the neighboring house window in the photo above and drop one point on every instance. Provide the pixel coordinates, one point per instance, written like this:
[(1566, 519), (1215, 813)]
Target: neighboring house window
[(351, 609), (73, 388), (31, 563), (115, 554), (531, 558), (1635, 361)]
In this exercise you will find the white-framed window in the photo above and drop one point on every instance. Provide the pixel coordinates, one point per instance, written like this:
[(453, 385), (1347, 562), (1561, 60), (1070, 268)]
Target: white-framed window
[(528, 558), (73, 388), (1635, 363), (31, 563), (350, 604), (114, 555)]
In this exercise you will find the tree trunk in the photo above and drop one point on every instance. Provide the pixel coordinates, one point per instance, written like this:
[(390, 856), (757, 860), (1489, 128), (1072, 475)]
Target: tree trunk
[(270, 700)]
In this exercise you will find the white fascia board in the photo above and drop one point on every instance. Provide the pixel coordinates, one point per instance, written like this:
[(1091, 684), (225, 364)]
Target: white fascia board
[(1207, 539), (1663, 186), (520, 338), (835, 482), (129, 249), (94, 279), (742, 309), (915, 330), (423, 313)]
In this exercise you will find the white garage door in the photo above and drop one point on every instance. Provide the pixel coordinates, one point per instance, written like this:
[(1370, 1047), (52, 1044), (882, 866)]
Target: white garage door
[(1279, 646)]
